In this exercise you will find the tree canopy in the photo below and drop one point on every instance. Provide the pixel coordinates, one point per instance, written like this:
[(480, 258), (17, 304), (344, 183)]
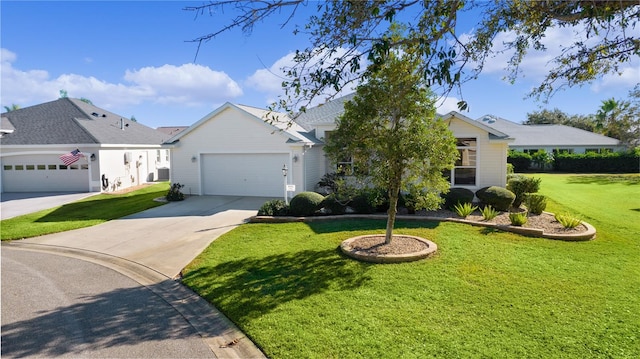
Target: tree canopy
[(347, 36), (391, 131)]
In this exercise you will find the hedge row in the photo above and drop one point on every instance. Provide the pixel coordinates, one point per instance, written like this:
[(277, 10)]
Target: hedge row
[(616, 162)]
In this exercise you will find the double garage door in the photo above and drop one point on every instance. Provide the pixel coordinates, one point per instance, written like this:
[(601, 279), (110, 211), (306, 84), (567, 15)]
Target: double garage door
[(243, 174), (43, 173)]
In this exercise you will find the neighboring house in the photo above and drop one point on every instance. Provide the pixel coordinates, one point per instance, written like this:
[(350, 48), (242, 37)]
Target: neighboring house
[(234, 151), (552, 138), (172, 130), (119, 153)]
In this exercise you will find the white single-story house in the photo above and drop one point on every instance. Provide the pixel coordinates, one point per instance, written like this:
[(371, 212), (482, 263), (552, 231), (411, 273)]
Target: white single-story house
[(234, 151), (552, 138), (118, 153)]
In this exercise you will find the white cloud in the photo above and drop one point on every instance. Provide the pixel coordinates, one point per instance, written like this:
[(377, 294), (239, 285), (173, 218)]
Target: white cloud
[(269, 80), (188, 84), (446, 105), (536, 64)]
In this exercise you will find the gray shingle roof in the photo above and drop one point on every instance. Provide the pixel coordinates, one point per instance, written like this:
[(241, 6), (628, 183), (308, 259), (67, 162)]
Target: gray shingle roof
[(71, 121), (547, 135), (323, 114)]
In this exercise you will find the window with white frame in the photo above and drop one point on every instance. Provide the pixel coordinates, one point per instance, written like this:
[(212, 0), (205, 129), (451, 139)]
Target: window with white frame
[(464, 170)]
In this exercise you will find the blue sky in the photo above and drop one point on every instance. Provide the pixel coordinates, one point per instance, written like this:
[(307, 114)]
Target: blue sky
[(134, 59)]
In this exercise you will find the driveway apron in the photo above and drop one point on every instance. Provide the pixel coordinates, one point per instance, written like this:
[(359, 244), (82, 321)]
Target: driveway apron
[(164, 238)]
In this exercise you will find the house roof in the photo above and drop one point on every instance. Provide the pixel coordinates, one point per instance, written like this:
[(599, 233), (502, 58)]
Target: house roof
[(324, 114), (494, 134), (71, 121), (279, 122), (547, 135), (172, 130)]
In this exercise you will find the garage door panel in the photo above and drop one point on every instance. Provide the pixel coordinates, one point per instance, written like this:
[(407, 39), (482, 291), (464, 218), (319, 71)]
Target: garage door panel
[(26, 174), (255, 174)]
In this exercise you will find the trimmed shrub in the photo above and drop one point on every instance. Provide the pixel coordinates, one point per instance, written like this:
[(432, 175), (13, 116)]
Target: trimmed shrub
[(498, 197), (456, 196), (174, 193), (305, 203), (536, 203), (276, 207), (611, 162), (521, 185), (521, 161), (332, 205), (364, 202)]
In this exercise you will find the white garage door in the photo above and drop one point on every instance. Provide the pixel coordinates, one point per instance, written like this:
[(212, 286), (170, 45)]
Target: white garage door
[(254, 174), (43, 173)]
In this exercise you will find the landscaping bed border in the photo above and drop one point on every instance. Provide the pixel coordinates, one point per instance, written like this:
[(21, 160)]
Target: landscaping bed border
[(588, 235)]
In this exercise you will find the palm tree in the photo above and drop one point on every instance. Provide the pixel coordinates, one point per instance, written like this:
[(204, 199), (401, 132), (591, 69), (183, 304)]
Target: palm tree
[(12, 108)]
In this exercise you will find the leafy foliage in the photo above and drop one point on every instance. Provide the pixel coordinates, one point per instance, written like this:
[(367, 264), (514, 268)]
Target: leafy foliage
[(536, 203), (305, 203), (346, 36), (391, 131), (521, 161), (520, 186), (488, 213), (464, 209), (497, 197), (276, 207), (457, 195), (567, 220), (591, 162), (518, 218), (175, 193)]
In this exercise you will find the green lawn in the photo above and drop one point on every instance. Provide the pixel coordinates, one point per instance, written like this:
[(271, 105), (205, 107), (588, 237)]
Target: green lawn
[(485, 294), (84, 213)]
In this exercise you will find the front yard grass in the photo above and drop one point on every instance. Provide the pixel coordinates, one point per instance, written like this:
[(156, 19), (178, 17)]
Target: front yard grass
[(84, 213), (485, 294)]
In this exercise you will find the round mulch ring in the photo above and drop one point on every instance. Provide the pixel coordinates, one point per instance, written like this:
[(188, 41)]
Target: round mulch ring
[(403, 248)]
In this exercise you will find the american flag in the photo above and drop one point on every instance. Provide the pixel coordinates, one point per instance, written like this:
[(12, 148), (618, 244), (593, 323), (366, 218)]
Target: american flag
[(71, 157)]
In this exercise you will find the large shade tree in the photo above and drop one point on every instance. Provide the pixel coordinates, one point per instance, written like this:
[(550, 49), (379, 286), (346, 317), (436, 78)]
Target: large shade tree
[(346, 36), (391, 131)]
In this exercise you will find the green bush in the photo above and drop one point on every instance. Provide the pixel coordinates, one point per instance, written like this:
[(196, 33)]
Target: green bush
[(536, 203), (464, 209), (520, 185), (521, 161), (276, 207), (457, 195), (174, 193), (488, 213), (305, 203), (333, 205), (610, 162), (498, 197), (365, 202), (518, 218)]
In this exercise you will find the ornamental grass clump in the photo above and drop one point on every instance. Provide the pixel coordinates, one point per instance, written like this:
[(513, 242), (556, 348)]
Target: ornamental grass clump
[(568, 221), (518, 218), (464, 209), (488, 213)]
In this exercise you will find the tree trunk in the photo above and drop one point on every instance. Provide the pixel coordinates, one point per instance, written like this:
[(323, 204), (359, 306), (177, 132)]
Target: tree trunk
[(394, 192)]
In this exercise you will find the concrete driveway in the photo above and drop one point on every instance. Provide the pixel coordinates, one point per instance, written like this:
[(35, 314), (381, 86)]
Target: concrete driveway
[(17, 204), (164, 238)]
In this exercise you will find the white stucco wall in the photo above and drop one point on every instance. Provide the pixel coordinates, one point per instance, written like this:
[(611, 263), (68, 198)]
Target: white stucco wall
[(491, 168), (231, 131)]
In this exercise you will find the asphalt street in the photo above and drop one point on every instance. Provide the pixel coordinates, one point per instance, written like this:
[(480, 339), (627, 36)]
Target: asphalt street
[(57, 306)]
